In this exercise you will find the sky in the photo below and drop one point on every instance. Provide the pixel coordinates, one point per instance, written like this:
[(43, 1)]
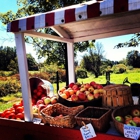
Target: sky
[(108, 43)]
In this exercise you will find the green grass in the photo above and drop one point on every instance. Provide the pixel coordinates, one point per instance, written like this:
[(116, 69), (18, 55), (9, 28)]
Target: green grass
[(9, 100)]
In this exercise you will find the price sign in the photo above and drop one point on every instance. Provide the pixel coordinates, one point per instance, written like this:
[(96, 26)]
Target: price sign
[(36, 120), (87, 132), (131, 132)]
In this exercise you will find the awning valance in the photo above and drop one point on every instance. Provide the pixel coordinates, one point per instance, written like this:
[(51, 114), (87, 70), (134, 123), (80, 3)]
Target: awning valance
[(73, 13)]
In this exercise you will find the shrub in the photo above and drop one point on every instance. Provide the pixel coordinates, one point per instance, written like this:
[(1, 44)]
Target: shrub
[(119, 68), (9, 87), (81, 73)]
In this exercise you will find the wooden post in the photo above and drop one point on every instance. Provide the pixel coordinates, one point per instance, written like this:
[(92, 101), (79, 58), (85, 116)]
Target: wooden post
[(24, 77), (71, 69)]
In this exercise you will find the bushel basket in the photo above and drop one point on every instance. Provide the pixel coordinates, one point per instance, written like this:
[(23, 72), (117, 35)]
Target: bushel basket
[(117, 96), (60, 115)]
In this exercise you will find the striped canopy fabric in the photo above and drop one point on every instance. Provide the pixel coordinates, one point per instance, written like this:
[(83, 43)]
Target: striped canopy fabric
[(73, 13)]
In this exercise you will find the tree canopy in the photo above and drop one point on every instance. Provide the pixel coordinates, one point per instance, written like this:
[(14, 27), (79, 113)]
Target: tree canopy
[(54, 52)]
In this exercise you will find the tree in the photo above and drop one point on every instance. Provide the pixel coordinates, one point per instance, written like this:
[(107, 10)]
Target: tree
[(133, 59), (32, 64), (92, 61), (133, 42), (53, 51), (6, 55), (8, 60)]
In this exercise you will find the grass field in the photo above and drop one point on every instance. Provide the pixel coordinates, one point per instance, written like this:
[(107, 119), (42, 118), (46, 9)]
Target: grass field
[(133, 77)]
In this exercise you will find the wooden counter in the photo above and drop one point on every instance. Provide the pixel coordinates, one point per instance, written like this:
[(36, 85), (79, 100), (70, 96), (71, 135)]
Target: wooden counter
[(20, 130)]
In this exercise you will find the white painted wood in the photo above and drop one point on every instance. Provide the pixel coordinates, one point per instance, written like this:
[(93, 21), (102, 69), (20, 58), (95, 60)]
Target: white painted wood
[(71, 69), (60, 31), (47, 36), (24, 77)]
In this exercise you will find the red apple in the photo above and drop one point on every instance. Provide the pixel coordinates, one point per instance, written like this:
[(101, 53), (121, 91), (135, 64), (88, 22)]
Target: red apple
[(87, 85), (136, 120), (38, 93), (90, 96), (82, 89), (92, 83), (54, 100), (96, 91), (82, 96), (71, 85), (64, 96), (96, 96), (99, 86), (87, 92), (67, 93), (74, 97), (39, 102), (91, 89), (71, 92), (77, 92), (75, 87)]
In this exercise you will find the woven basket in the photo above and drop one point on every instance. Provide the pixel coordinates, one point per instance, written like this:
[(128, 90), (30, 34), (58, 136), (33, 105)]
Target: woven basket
[(117, 96), (67, 120), (122, 111), (99, 117)]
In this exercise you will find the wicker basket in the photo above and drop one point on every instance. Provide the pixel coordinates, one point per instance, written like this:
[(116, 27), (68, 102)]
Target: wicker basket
[(97, 116), (117, 96), (122, 111), (67, 120)]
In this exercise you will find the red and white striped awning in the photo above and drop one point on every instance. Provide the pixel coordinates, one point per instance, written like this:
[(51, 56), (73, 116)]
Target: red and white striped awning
[(80, 12)]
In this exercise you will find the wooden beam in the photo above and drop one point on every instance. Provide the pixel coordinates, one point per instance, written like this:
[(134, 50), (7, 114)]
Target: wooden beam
[(60, 32), (47, 36)]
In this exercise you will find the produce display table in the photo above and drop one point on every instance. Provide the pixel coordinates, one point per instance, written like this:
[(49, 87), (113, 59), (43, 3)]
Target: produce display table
[(20, 130)]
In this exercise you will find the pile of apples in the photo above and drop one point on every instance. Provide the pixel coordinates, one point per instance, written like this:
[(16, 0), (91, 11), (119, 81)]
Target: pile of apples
[(82, 92), (14, 112), (40, 100), (132, 119)]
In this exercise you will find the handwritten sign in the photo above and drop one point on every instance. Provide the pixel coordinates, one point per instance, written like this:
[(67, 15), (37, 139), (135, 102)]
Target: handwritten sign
[(87, 132), (36, 120), (131, 132)]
